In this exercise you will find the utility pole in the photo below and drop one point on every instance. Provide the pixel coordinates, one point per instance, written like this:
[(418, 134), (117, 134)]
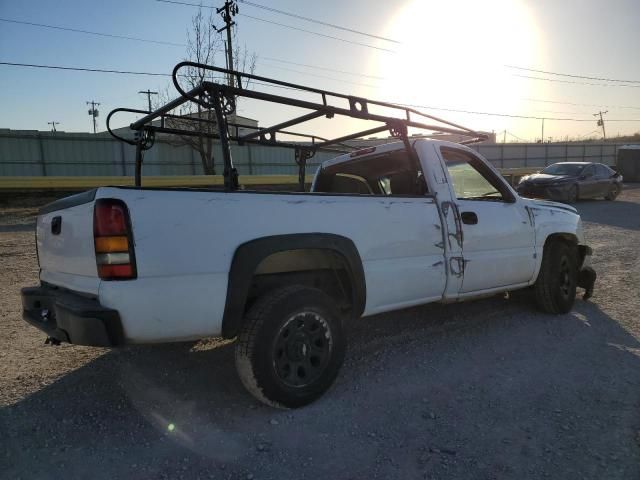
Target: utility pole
[(227, 12), (601, 122), (93, 112), (53, 125), (542, 136), (504, 137), (148, 93)]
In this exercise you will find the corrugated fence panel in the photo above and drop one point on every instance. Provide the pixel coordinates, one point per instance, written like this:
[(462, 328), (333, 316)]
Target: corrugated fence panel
[(536, 156), (610, 154), (79, 157), (556, 153), (493, 153), (20, 156), (575, 153), (514, 156), (593, 153), (30, 153)]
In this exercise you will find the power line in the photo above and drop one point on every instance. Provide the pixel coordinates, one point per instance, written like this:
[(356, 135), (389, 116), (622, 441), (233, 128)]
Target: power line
[(495, 114), (284, 25), (580, 104), (319, 22), (122, 72), (313, 33), (516, 137), (88, 32), (509, 115), (572, 75), (323, 76), (587, 134), (575, 83), (84, 69), (317, 67), (110, 35), (356, 74)]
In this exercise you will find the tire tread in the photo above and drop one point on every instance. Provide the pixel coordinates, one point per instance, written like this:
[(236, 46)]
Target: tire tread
[(545, 296), (244, 349)]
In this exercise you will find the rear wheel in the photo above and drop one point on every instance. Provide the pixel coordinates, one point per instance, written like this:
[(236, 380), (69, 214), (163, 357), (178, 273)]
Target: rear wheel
[(614, 191), (556, 284), (291, 347)]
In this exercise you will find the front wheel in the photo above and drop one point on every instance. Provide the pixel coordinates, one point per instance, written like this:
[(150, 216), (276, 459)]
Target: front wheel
[(572, 194), (291, 347), (556, 284), (614, 191)]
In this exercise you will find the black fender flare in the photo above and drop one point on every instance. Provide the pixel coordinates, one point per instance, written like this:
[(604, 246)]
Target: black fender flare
[(248, 256)]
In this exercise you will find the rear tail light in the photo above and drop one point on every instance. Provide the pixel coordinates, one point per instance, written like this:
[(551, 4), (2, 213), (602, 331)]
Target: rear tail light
[(113, 240)]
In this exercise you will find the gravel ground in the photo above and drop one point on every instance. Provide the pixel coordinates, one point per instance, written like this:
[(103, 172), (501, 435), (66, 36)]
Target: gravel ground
[(480, 390)]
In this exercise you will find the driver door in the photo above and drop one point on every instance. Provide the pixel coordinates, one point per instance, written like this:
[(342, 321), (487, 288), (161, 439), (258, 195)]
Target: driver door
[(498, 239)]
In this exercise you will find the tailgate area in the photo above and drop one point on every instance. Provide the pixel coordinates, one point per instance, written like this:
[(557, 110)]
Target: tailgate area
[(68, 317), (65, 243)]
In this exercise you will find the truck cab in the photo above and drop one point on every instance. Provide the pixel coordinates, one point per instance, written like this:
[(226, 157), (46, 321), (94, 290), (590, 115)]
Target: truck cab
[(491, 237)]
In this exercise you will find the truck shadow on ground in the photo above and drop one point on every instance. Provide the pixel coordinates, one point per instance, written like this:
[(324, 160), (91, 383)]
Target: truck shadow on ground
[(492, 370)]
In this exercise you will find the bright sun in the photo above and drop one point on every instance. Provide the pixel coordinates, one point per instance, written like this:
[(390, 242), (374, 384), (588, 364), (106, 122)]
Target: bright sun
[(452, 54)]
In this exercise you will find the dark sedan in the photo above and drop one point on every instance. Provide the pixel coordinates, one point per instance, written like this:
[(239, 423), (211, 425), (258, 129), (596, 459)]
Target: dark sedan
[(570, 181)]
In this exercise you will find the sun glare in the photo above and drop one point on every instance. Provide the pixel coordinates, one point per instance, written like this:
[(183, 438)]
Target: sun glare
[(452, 54)]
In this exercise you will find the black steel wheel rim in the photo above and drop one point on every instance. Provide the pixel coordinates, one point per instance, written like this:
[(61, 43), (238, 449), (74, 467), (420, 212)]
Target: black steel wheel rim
[(302, 349), (565, 277)]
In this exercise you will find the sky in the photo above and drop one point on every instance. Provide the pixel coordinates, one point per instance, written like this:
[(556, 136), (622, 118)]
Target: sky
[(444, 57)]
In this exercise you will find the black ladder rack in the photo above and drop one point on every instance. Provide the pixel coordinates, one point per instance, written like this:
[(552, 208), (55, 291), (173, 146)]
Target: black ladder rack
[(222, 98)]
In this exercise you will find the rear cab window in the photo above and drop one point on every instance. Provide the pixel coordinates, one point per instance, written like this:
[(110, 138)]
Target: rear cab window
[(386, 174)]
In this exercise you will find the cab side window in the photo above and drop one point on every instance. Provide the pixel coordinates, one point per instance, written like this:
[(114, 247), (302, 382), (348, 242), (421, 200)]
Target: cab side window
[(472, 179)]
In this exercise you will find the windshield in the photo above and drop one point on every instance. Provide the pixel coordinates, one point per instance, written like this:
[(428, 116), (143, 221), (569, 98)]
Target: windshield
[(564, 169)]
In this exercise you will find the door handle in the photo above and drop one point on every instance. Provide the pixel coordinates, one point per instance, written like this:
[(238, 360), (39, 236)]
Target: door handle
[(56, 225), (469, 218)]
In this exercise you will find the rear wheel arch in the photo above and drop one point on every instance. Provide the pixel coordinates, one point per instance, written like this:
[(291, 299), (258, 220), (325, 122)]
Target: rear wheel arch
[(255, 254)]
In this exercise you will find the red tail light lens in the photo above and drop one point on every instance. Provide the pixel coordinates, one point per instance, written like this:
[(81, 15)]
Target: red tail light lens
[(110, 218), (113, 240)]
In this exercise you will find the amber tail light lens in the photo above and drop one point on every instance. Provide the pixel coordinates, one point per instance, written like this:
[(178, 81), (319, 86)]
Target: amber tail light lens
[(113, 240)]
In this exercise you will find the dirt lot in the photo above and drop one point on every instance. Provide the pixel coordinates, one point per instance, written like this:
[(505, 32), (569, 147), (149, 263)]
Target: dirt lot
[(482, 390)]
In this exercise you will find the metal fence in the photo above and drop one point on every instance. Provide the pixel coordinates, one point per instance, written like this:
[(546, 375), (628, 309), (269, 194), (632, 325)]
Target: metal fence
[(59, 154), (29, 153), (524, 155)]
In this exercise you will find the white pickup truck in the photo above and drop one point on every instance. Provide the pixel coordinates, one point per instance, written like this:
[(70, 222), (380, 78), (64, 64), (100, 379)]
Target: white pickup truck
[(283, 272)]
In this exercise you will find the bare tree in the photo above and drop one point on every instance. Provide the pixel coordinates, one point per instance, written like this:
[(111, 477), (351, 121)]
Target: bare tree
[(203, 44)]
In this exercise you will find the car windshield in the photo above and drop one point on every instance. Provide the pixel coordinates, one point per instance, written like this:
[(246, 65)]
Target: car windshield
[(564, 169)]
